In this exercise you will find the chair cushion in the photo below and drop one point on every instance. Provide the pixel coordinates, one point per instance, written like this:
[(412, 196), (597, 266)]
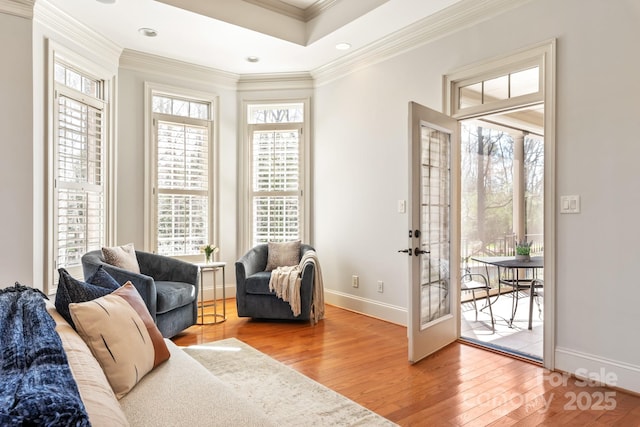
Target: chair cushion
[(258, 284), (172, 295)]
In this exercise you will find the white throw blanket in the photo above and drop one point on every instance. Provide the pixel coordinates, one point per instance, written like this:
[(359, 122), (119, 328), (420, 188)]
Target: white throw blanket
[(285, 282)]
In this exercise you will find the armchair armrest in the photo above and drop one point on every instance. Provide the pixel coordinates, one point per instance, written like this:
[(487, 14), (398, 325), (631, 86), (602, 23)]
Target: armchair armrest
[(144, 284), (307, 276), (252, 262)]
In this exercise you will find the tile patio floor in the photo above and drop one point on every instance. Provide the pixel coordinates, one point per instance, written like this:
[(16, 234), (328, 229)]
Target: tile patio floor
[(515, 337)]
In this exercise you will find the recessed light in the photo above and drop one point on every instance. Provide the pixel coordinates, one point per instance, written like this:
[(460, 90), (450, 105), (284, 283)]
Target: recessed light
[(107, 1), (252, 59), (148, 32), (343, 46)]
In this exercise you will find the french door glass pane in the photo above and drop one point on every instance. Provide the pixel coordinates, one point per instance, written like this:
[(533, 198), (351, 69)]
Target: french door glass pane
[(435, 210)]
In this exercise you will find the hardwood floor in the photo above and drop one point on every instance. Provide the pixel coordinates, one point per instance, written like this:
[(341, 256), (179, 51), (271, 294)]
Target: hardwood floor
[(365, 359)]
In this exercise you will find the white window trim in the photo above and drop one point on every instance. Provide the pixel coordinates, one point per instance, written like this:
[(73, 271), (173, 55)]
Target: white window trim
[(245, 167), (150, 219), (489, 70), (56, 50)]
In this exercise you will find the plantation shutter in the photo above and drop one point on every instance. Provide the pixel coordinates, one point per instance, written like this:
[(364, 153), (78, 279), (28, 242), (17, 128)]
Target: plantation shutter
[(276, 185), (182, 186), (79, 183)]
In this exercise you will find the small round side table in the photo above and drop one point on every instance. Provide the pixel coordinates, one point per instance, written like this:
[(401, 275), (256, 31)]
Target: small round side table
[(217, 317)]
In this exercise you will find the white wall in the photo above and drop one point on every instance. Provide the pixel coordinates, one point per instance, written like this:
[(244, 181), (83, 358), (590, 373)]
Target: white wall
[(361, 171), (20, 246)]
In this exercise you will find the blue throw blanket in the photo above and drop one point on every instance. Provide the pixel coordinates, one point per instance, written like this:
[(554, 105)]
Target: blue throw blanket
[(36, 385)]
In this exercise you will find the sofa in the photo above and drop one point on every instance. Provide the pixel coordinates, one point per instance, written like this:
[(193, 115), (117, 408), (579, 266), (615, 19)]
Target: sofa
[(253, 296), (179, 391), (168, 286)]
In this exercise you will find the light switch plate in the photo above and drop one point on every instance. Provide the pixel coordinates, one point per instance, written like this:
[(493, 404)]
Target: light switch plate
[(402, 206), (570, 204)]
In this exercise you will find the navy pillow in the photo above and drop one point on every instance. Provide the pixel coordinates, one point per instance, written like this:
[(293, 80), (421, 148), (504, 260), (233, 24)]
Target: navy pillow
[(103, 279), (73, 290)]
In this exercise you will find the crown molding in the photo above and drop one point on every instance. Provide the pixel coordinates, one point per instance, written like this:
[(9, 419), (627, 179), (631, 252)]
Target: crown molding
[(21, 8), (148, 63), (460, 15), (280, 7), (318, 8), (277, 81), (304, 15), (54, 19)]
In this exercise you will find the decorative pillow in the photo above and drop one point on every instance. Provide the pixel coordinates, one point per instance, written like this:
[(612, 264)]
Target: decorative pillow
[(126, 346), (71, 290), (285, 254), (122, 256), (103, 279)]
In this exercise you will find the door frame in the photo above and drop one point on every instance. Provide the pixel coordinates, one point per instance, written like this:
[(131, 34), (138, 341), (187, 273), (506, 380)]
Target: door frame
[(543, 54)]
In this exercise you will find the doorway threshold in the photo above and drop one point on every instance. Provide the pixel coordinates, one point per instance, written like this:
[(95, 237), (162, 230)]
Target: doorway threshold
[(510, 352)]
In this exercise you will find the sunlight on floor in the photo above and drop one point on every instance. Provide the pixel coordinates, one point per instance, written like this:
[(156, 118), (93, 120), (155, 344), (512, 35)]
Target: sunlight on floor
[(515, 337)]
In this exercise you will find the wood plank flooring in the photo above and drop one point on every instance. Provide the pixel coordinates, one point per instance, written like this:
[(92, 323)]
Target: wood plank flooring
[(365, 359)]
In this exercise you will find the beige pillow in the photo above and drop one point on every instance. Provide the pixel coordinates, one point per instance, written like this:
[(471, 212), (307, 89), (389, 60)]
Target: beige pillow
[(124, 344), (283, 254), (122, 256), (96, 393)]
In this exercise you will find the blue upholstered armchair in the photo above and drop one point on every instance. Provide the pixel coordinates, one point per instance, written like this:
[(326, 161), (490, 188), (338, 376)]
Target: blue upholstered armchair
[(169, 287), (253, 297)]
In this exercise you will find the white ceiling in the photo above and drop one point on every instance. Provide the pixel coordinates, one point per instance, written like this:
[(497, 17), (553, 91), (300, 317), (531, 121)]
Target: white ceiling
[(222, 33)]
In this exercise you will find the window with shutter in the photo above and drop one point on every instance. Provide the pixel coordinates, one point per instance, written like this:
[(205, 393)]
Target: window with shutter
[(276, 172), (79, 190), (183, 175)]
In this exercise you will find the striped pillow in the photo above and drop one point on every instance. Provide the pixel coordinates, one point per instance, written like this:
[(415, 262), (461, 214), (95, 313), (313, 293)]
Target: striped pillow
[(121, 335)]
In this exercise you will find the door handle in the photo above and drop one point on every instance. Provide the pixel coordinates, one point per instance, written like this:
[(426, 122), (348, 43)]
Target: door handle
[(417, 252), (406, 251)]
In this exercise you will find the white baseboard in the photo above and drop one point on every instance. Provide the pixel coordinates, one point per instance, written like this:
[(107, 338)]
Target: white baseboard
[(387, 312), (229, 292), (383, 311), (616, 374)]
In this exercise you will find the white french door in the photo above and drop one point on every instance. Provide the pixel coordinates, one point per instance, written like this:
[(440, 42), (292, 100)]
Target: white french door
[(433, 219)]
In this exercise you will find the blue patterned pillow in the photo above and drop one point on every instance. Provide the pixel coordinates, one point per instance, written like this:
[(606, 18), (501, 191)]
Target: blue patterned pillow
[(73, 290), (103, 279)]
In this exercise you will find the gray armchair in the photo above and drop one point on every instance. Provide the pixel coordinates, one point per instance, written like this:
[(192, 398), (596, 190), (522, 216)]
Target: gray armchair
[(253, 297), (169, 287)]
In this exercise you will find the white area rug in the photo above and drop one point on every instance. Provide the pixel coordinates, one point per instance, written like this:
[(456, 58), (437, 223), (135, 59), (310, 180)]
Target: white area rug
[(285, 395)]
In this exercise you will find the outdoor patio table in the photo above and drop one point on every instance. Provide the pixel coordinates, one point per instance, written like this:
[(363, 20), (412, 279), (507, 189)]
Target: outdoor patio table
[(514, 266)]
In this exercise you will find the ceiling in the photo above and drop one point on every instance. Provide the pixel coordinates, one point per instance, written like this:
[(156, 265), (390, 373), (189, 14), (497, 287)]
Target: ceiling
[(287, 36)]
